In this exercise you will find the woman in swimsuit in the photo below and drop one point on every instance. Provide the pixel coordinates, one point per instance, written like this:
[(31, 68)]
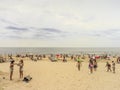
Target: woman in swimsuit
[(11, 69), (113, 66), (21, 64), (91, 65)]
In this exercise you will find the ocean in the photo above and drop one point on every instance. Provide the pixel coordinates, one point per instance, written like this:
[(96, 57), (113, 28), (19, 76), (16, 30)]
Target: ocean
[(60, 50)]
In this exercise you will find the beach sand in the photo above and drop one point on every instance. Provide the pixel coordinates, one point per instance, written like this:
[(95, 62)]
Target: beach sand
[(47, 75)]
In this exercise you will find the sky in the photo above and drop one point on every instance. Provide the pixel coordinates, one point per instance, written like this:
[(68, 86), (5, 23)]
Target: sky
[(59, 23)]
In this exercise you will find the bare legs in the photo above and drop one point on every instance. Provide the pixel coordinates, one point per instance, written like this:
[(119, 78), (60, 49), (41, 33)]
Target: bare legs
[(11, 74), (21, 74)]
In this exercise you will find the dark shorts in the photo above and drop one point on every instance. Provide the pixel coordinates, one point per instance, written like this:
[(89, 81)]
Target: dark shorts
[(95, 66)]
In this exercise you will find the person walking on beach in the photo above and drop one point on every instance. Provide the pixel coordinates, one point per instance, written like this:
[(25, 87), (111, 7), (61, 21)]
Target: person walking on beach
[(79, 61), (108, 65), (113, 66), (91, 65), (78, 65), (11, 68), (21, 64)]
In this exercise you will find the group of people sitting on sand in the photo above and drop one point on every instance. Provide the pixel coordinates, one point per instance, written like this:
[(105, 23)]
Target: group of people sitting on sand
[(20, 64), (32, 57)]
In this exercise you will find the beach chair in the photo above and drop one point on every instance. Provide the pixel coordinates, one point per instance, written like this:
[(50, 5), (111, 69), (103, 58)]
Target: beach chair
[(53, 59)]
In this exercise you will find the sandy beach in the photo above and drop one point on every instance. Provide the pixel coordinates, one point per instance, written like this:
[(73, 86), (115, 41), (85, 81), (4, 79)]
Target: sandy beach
[(59, 44), (47, 75)]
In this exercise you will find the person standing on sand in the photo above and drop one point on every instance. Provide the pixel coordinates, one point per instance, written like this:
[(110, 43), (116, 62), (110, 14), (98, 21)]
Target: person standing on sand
[(11, 68), (113, 66), (21, 64), (91, 65), (108, 65), (79, 63)]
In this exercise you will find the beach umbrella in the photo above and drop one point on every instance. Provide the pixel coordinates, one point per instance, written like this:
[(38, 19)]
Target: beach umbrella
[(57, 55)]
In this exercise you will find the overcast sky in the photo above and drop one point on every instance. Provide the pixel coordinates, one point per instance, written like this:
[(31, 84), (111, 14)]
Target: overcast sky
[(59, 23)]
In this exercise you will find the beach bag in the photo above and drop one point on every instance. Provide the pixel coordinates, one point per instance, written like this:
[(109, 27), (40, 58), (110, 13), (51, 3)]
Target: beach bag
[(27, 78)]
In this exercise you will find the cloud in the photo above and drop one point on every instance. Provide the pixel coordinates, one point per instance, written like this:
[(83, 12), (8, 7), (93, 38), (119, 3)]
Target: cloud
[(49, 33), (17, 28), (51, 30), (21, 32), (109, 34), (63, 20)]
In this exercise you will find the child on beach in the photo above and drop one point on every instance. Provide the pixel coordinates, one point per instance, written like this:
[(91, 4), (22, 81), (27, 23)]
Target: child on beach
[(113, 66), (108, 65), (21, 64)]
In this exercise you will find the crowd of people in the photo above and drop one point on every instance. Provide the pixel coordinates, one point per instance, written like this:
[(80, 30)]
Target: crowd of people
[(92, 64)]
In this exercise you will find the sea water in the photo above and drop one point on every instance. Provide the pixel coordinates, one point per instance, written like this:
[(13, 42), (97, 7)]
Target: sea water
[(60, 50)]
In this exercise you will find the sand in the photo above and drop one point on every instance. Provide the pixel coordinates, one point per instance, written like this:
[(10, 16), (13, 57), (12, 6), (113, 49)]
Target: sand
[(49, 75)]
